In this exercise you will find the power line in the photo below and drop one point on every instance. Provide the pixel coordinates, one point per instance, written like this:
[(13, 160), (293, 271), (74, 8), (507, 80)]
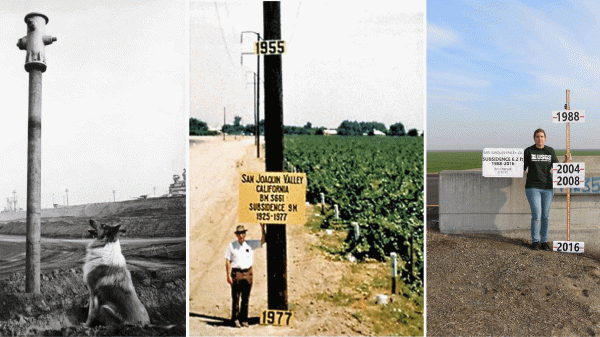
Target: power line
[(223, 35), (295, 22), (228, 18)]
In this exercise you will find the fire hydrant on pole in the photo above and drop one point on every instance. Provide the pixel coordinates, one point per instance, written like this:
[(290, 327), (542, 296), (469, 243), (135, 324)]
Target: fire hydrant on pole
[(35, 64)]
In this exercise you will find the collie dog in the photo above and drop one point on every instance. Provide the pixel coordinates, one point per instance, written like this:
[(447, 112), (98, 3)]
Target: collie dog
[(113, 299)]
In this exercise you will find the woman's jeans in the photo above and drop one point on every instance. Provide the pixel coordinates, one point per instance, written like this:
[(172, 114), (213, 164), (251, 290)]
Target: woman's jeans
[(539, 202)]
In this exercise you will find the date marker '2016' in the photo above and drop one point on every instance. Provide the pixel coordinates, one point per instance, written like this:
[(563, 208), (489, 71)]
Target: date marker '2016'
[(568, 247)]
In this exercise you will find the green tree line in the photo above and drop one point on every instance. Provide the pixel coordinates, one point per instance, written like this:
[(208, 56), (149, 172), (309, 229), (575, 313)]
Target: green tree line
[(346, 128)]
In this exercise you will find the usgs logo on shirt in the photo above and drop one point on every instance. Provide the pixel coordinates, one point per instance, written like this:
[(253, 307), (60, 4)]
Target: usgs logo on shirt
[(541, 157)]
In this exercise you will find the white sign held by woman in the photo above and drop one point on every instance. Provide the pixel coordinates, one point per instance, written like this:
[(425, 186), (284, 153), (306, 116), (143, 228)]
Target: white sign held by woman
[(504, 163)]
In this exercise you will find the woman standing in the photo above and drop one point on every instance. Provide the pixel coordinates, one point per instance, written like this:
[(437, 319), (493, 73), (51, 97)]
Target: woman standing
[(538, 160)]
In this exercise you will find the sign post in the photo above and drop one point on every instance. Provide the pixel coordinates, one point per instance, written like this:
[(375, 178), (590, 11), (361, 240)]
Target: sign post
[(277, 198), (568, 175)]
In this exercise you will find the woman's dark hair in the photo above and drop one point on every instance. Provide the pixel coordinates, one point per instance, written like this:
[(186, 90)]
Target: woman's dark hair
[(538, 131)]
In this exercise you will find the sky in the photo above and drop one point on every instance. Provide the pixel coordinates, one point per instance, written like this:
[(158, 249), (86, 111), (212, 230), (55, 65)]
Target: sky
[(115, 102), (357, 61), (497, 69)]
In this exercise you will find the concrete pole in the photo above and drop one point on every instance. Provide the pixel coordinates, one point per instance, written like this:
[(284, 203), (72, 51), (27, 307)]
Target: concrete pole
[(35, 65), (34, 182)]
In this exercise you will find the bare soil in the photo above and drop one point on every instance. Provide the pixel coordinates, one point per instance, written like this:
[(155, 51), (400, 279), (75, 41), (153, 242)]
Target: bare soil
[(157, 265), (493, 285), (314, 280)]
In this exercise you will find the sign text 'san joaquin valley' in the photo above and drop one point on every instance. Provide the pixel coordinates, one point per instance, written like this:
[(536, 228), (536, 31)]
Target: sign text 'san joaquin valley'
[(272, 197)]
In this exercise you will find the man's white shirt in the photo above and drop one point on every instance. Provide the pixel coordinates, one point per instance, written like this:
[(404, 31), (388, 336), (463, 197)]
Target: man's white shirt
[(242, 256)]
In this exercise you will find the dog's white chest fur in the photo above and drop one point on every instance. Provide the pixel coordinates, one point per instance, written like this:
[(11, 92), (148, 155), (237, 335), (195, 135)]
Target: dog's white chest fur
[(108, 255)]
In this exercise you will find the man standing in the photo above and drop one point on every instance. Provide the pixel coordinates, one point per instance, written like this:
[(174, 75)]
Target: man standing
[(239, 257)]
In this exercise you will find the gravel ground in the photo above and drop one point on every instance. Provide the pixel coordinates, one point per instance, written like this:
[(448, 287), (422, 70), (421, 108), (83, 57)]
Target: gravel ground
[(492, 285)]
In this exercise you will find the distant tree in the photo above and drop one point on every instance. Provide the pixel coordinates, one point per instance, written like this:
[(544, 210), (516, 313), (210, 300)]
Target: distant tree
[(296, 130), (397, 129), (370, 127), (199, 128), (413, 132), (348, 128), (250, 129), (237, 121), (308, 125), (236, 129), (320, 131)]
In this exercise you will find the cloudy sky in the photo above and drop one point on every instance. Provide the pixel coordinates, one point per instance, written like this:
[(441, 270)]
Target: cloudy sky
[(356, 60), (496, 70), (115, 107)]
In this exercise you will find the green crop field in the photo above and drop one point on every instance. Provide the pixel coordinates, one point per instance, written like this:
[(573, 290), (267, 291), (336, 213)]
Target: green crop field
[(375, 181), (465, 160)]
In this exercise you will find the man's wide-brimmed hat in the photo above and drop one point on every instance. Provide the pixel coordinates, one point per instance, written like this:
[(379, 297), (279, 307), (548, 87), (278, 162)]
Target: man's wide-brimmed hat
[(240, 229)]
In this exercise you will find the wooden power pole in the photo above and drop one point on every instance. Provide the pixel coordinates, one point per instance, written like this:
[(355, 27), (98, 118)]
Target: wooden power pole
[(276, 235)]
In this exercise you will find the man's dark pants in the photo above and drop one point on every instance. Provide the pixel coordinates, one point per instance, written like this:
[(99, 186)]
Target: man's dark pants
[(242, 284)]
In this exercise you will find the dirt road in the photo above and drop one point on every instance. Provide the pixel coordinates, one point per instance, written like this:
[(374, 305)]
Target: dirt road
[(214, 166)]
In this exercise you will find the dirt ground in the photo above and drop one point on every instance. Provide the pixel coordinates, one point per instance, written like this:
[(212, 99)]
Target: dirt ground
[(492, 285), (62, 306), (215, 165), (157, 265)]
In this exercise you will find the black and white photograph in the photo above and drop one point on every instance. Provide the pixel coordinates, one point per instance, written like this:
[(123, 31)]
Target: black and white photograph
[(93, 176)]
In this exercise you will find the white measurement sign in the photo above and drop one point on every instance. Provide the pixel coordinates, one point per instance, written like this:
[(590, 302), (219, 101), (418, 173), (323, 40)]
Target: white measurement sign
[(505, 163), (276, 317), (568, 247), (270, 47), (568, 116), (568, 175)]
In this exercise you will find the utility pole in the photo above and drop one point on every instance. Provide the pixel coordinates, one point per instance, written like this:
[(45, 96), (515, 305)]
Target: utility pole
[(257, 113), (67, 191), (35, 64), (255, 83), (276, 235), (223, 123), (114, 196)]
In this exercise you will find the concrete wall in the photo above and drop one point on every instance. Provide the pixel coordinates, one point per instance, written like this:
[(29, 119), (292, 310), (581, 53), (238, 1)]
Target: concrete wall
[(470, 203)]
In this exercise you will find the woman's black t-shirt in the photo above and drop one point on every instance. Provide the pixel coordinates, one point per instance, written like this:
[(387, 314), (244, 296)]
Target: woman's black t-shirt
[(538, 163)]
